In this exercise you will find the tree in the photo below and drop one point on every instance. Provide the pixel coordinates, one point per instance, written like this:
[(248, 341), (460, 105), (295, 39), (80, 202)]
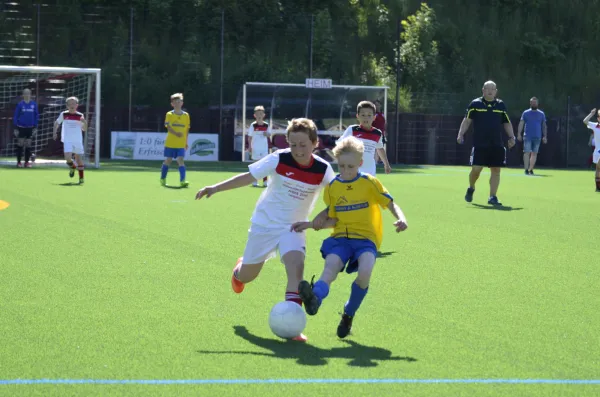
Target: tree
[(419, 50)]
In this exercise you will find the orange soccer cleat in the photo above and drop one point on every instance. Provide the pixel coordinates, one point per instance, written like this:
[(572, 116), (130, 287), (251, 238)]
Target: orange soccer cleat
[(236, 284), (300, 338)]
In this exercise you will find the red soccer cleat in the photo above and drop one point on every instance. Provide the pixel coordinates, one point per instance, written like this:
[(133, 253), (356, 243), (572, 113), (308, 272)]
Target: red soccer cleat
[(236, 284), (28, 165), (19, 165)]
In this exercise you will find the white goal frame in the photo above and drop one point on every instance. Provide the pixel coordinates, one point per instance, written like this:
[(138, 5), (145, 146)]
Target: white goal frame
[(97, 103), (334, 133)]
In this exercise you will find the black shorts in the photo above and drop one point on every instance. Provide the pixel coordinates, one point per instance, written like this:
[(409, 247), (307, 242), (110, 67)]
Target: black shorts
[(25, 132), (489, 156)]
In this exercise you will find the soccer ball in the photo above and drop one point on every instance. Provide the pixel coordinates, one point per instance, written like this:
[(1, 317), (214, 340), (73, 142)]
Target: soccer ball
[(287, 319)]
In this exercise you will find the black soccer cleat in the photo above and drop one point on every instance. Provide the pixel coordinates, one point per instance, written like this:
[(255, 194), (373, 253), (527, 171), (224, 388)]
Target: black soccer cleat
[(494, 201), (469, 195), (310, 300), (71, 172), (345, 326)]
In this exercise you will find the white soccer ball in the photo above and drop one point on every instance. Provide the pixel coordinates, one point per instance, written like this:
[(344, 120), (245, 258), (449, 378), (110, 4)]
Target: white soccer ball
[(287, 319)]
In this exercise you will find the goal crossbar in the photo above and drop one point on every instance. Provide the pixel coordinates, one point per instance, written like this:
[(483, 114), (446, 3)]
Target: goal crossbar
[(68, 70), (299, 85)]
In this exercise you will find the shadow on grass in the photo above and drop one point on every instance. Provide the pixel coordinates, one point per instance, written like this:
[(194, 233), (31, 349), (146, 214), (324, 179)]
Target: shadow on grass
[(496, 207), (176, 187), (67, 184), (306, 354), (385, 254)]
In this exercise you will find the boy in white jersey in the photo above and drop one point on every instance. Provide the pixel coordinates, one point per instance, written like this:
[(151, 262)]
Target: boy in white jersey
[(595, 127), (259, 133), (73, 126), (296, 178), (372, 138)]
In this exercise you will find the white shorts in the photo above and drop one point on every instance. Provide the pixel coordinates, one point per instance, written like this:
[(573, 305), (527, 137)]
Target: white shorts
[(263, 243), (368, 170), (259, 154), (596, 155), (73, 147)]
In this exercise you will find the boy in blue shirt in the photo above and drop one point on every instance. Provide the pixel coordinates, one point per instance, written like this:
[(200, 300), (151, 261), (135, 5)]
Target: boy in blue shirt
[(534, 121), (25, 120)]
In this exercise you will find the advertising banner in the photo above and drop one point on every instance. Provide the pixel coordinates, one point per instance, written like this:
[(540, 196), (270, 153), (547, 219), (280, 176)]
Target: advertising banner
[(126, 145)]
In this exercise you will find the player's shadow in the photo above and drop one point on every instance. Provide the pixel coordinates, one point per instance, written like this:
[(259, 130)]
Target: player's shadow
[(385, 254), (306, 354), (174, 187), (67, 184), (496, 207)]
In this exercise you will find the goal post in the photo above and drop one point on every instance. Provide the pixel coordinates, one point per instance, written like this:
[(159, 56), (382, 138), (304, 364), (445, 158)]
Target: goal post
[(50, 87), (332, 107)]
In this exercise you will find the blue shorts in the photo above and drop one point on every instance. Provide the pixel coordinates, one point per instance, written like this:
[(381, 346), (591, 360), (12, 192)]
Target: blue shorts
[(348, 249), (531, 145), (174, 152)]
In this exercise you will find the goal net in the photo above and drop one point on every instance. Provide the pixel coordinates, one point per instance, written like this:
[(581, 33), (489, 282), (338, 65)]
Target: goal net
[(50, 87), (332, 109)]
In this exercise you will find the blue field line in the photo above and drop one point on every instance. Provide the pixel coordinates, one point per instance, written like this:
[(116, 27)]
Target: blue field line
[(292, 381)]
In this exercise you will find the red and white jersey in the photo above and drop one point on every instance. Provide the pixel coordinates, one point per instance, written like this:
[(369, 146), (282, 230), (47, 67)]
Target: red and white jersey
[(71, 126), (293, 188), (372, 139), (259, 134), (594, 126)]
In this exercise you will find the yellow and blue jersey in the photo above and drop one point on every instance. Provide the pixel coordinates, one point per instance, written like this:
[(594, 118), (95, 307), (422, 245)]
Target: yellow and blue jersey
[(180, 123), (356, 204)]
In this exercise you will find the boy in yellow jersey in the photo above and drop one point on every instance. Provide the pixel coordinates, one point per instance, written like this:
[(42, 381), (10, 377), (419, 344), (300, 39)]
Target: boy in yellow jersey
[(353, 202), (177, 123)]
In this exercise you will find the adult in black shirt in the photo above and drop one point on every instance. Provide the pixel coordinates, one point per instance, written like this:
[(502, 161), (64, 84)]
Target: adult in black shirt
[(489, 118)]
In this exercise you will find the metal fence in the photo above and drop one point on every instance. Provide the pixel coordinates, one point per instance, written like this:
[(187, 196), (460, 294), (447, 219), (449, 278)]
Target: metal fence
[(125, 41)]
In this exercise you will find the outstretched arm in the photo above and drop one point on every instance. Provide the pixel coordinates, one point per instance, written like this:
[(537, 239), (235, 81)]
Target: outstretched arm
[(237, 181), (301, 226)]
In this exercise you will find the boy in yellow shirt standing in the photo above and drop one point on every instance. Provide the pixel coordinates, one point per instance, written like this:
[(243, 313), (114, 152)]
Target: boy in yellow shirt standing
[(177, 123), (353, 202)]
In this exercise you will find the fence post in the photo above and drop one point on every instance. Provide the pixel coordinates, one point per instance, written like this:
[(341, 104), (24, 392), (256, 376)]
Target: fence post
[(221, 75), (568, 128), (397, 121), (130, 64)]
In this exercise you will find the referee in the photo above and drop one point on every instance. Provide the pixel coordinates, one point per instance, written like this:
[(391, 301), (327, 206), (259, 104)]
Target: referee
[(488, 116)]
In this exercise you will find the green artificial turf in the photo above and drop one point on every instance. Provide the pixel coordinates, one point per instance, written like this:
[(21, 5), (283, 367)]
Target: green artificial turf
[(122, 279)]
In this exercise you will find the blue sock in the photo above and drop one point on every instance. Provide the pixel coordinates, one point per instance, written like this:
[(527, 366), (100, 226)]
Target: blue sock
[(321, 290), (357, 295), (182, 173), (163, 171)]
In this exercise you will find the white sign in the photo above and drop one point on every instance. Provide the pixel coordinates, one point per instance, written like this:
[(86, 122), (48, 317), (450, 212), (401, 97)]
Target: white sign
[(318, 83), (128, 145)]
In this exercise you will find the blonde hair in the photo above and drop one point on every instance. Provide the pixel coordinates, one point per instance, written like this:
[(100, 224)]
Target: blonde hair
[(303, 125), (72, 98), (177, 95), (350, 145), (259, 109)]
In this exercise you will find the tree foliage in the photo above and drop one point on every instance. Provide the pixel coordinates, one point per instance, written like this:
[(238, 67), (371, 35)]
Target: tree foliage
[(529, 47)]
